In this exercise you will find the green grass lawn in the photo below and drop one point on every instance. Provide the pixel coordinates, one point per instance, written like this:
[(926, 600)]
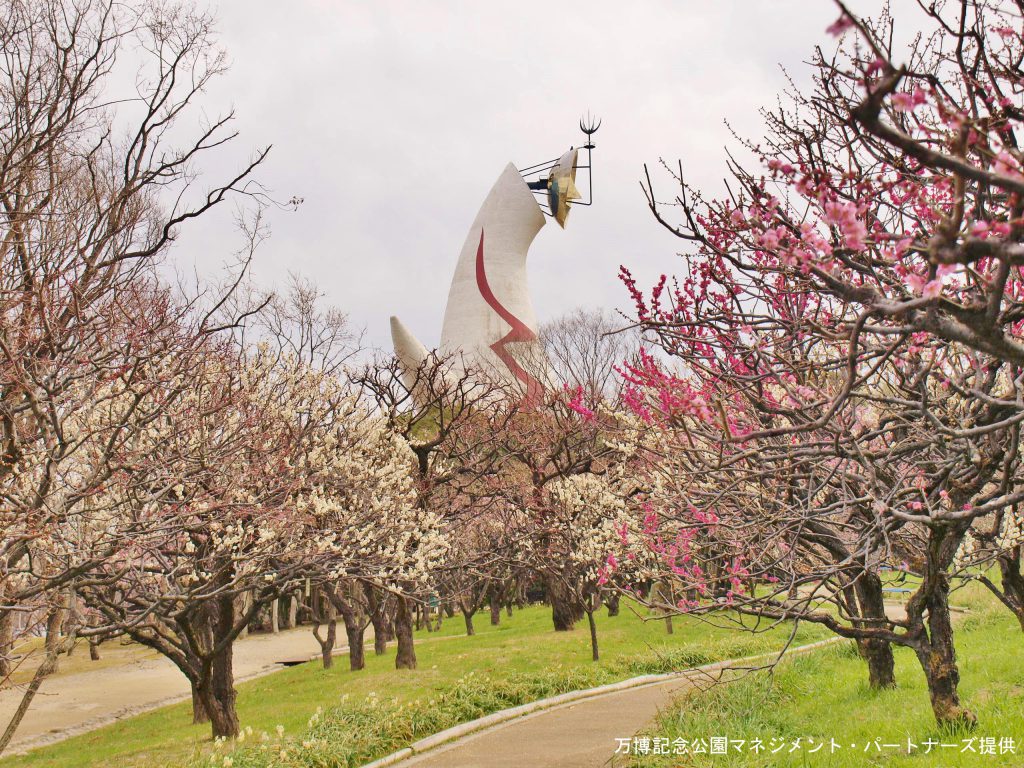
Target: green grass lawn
[(523, 648), (825, 695)]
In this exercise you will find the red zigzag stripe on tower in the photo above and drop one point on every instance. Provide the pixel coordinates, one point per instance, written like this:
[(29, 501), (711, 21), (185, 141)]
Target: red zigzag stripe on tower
[(520, 332)]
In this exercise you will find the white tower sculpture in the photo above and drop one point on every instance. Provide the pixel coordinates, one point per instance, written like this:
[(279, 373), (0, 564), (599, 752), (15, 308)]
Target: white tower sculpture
[(489, 321)]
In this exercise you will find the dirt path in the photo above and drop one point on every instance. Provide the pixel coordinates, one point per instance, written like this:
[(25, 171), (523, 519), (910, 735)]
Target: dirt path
[(74, 703)]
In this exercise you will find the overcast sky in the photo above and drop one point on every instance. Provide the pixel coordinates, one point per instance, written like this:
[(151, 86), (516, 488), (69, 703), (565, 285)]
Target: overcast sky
[(393, 119)]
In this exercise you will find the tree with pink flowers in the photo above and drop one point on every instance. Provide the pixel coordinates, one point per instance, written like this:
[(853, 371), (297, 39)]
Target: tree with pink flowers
[(839, 396)]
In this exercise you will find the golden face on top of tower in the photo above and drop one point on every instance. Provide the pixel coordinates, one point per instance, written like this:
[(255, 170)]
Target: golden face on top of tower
[(562, 186)]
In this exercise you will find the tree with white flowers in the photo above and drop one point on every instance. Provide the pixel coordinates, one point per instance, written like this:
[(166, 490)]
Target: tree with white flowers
[(208, 494), (590, 529), (366, 529), (451, 417), (92, 193)]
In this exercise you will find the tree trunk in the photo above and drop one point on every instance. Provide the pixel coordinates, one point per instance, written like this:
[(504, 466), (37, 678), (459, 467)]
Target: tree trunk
[(877, 653), (937, 655), (380, 639), (327, 642), (218, 695), (198, 710), (468, 616), (356, 645), (94, 650), (593, 635), (244, 603), (293, 612), (508, 608), (216, 685), (275, 616), (612, 601), (406, 656), (355, 626), (378, 619), (565, 611), (495, 609), (72, 619), (1013, 583), (939, 663), (881, 663), (6, 644), (326, 602)]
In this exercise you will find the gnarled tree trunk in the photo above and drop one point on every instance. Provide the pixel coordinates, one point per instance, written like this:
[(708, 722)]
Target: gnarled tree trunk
[(355, 626), (934, 638), (938, 658), (356, 645), (881, 663), (216, 686), (218, 695)]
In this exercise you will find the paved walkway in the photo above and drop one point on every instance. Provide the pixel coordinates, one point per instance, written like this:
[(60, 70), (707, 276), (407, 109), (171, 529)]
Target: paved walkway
[(580, 734), (67, 705), (577, 735)]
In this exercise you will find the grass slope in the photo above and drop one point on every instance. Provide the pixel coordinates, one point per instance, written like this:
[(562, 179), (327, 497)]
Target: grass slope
[(825, 695), (523, 654)]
